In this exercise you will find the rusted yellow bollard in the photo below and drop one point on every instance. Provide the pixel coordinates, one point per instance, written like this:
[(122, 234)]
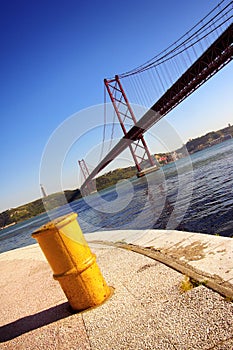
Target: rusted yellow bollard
[(73, 263)]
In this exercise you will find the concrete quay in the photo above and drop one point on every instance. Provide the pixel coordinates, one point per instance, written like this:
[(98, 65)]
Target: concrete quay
[(206, 258), (147, 310)]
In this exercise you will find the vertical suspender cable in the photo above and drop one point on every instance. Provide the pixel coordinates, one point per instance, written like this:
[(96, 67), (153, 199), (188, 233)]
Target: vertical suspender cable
[(104, 129)]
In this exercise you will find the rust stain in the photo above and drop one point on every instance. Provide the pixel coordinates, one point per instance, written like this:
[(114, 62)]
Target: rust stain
[(193, 251)]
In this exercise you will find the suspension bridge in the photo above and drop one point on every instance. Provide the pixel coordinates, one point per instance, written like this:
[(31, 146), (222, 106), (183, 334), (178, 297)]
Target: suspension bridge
[(168, 78)]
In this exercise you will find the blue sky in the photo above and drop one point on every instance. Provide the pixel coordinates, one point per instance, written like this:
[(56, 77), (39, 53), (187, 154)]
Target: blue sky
[(54, 57)]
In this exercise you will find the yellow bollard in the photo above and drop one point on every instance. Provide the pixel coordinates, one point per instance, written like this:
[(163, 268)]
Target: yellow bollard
[(72, 262)]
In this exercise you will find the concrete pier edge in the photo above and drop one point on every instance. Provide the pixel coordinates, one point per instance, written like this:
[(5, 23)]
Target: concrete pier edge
[(208, 259), (215, 283)]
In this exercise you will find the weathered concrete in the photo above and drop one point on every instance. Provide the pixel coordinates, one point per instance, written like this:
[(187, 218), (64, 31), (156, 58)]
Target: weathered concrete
[(34, 311), (147, 310), (211, 256)]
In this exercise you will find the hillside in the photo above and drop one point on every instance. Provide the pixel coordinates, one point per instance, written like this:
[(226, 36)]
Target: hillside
[(36, 207), (209, 139), (112, 177), (197, 144)]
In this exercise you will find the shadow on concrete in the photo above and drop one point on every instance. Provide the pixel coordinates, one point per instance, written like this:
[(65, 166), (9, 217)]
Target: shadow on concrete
[(29, 323)]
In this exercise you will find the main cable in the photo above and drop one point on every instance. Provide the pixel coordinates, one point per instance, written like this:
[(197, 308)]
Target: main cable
[(163, 55)]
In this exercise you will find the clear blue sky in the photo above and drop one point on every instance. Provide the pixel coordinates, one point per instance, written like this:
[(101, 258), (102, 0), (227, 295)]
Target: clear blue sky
[(54, 56)]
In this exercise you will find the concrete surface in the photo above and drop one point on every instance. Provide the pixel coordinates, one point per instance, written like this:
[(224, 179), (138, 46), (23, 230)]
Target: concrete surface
[(147, 310), (208, 255)]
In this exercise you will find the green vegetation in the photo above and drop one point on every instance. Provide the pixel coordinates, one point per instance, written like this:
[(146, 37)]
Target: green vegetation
[(209, 139), (114, 176), (197, 144), (21, 213), (37, 207), (186, 284), (55, 200), (189, 283)]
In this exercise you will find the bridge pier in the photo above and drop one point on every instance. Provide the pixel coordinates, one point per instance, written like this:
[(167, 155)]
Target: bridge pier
[(138, 147), (89, 186), (147, 171)]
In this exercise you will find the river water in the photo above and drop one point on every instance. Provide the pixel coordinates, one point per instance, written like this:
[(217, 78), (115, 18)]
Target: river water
[(192, 194)]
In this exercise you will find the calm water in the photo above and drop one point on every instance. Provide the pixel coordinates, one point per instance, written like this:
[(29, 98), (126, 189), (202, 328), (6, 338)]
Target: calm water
[(191, 194)]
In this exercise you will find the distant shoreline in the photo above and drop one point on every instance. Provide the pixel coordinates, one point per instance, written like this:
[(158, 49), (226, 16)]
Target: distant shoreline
[(9, 225), (27, 211)]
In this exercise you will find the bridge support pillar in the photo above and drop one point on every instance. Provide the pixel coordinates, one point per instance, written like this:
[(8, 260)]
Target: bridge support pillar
[(90, 186), (138, 148)]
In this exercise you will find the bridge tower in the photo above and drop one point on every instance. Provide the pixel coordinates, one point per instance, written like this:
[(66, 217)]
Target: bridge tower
[(89, 188), (144, 162)]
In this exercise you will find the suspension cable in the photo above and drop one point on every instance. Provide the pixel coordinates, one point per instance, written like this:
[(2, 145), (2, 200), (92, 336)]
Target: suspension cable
[(163, 56), (104, 128)]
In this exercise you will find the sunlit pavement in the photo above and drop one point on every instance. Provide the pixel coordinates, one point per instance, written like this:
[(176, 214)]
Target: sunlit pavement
[(147, 310)]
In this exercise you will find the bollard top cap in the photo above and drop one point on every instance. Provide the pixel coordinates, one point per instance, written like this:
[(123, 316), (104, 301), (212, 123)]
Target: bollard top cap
[(56, 223), (64, 220)]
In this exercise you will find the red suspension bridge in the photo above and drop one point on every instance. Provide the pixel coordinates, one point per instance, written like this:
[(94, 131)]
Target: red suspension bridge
[(168, 79)]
